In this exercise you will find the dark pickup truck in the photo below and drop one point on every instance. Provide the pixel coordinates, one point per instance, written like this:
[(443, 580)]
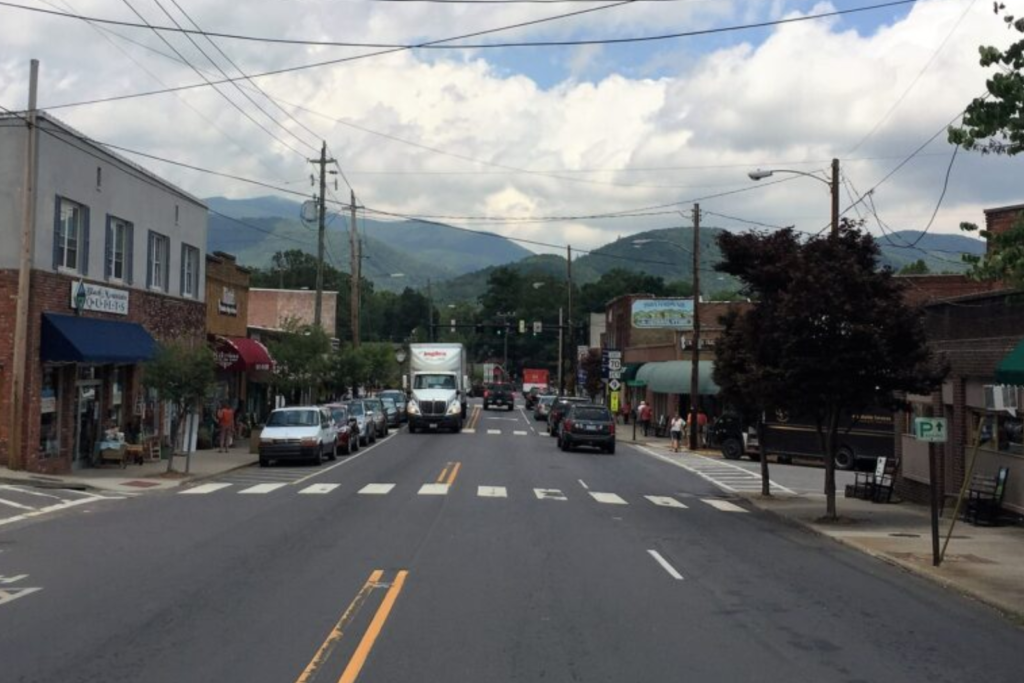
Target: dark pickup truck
[(499, 395)]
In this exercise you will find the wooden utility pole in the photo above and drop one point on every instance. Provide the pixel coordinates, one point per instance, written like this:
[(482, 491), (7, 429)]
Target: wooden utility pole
[(321, 215), (354, 274), (835, 198), (572, 350), (430, 310), (561, 361), (15, 445), (695, 355)]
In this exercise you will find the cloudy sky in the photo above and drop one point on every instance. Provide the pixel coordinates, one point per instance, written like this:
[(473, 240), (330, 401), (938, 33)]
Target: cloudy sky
[(508, 138)]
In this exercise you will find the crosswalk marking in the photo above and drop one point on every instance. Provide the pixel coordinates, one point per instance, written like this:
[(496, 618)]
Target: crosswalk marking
[(723, 505), (549, 494), (262, 488), (494, 431), (206, 488), (607, 498), (376, 489), (469, 431), (518, 433), (665, 501), (492, 491), (319, 488), (434, 490)]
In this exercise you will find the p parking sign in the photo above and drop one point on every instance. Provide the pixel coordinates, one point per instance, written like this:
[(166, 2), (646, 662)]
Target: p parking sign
[(931, 429)]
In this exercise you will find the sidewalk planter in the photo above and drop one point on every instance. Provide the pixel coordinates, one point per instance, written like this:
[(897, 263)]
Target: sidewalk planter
[(254, 440)]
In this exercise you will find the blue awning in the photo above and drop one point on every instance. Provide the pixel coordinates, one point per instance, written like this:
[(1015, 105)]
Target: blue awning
[(71, 339)]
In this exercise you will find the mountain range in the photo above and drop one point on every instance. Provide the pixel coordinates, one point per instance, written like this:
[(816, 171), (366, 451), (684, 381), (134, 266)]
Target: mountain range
[(457, 262)]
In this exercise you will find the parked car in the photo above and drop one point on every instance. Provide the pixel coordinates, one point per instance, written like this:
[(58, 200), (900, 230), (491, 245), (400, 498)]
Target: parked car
[(391, 412), (400, 399), (300, 433), (587, 425), (557, 411), (375, 408), (346, 426), (543, 406), (499, 395), (477, 390), (367, 427)]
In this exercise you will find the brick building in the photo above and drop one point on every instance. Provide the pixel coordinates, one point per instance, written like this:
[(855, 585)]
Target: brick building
[(117, 266), (657, 361), (270, 309)]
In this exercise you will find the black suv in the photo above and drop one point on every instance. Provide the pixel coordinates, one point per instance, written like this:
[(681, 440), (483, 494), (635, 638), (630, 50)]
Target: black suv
[(499, 395), (558, 409), (587, 425)]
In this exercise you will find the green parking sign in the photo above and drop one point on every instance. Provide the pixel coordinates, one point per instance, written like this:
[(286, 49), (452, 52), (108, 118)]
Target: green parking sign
[(931, 429)]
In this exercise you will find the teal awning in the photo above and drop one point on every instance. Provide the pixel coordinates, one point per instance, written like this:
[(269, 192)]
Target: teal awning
[(673, 377), (629, 371), (1011, 368)]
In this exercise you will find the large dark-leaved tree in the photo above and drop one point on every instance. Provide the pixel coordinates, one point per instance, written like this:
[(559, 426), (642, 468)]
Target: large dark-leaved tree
[(829, 334)]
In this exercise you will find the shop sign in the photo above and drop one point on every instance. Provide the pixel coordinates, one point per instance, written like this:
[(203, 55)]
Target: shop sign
[(48, 404), (227, 305), (102, 299), (227, 356), (662, 314)]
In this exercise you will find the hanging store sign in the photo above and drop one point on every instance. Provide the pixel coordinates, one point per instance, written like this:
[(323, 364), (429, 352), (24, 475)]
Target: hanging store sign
[(101, 299), (227, 305), (662, 314)]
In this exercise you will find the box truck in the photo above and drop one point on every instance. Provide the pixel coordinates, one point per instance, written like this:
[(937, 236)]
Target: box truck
[(438, 385)]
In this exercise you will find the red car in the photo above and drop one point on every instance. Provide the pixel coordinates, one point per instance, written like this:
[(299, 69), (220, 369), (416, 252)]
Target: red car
[(347, 427)]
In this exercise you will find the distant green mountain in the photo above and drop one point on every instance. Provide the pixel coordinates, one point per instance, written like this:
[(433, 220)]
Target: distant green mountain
[(421, 250), (469, 287), (942, 253)]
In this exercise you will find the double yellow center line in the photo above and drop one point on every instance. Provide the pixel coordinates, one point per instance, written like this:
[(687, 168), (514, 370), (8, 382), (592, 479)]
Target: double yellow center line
[(362, 651), (473, 418), (448, 474)]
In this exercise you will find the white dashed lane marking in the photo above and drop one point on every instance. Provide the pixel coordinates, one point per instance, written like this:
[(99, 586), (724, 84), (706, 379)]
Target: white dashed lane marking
[(492, 492), (376, 489), (434, 490), (608, 498), (549, 494), (494, 431), (665, 501)]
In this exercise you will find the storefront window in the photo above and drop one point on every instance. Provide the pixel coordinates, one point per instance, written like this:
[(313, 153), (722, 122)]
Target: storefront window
[(117, 395), (1000, 432), (49, 418)]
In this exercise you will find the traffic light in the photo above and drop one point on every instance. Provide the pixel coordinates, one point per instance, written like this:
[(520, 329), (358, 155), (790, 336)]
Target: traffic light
[(453, 325), (522, 327)]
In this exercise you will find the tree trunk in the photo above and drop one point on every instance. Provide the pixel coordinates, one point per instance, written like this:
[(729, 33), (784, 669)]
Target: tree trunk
[(175, 437), (766, 486)]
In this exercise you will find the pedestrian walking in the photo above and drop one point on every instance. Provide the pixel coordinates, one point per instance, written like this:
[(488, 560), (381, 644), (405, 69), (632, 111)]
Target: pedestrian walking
[(626, 411), (645, 416), (702, 427), (677, 431), (226, 421)]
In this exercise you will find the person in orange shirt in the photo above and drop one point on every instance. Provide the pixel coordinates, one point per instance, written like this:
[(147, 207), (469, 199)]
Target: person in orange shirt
[(226, 420)]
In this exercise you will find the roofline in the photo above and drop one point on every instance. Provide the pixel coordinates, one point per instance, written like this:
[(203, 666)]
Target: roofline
[(275, 289), (1000, 209), (993, 294), (103, 149)]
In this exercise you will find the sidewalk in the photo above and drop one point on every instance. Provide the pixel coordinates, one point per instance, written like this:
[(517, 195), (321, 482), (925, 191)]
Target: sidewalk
[(986, 563), (150, 476)]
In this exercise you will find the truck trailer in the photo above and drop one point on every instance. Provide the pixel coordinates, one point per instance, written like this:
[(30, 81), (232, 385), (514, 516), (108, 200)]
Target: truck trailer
[(439, 387)]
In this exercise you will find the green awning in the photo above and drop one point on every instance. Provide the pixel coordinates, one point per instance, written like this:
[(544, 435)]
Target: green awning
[(636, 383), (673, 377), (1011, 368)]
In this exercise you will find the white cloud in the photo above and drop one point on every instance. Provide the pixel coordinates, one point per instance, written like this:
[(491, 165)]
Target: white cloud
[(810, 91)]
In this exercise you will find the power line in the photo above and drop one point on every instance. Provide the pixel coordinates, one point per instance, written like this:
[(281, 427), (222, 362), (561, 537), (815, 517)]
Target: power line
[(390, 49)]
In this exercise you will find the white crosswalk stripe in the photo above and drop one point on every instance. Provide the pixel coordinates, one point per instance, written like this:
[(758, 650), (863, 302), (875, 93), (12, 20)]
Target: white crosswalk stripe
[(724, 475), (665, 501), (319, 488), (206, 488), (549, 494), (376, 489), (494, 431), (434, 490), (469, 431), (518, 433), (492, 492), (607, 498), (723, 505), (262, 488)]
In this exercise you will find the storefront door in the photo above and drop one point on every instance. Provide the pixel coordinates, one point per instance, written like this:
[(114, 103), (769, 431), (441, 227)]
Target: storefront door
[(87, 421)]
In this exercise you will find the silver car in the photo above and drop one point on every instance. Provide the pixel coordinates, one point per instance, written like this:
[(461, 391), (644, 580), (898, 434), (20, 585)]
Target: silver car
[(375, 407), (367, 427)]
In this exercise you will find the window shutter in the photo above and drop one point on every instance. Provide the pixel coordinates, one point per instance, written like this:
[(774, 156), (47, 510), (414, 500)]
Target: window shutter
[(181, 282), (84, 253), (149, 261), (56, 233), (129, 254), (108, 252)]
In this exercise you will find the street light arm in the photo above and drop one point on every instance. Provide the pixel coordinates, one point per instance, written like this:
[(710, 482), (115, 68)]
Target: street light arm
[(761, 175)]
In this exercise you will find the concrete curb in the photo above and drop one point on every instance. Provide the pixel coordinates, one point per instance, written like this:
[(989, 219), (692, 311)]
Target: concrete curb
[(54, 483), (1014, 616)]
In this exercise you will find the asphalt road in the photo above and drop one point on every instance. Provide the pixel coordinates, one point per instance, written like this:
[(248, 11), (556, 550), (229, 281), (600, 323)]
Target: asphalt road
[(355, 571)]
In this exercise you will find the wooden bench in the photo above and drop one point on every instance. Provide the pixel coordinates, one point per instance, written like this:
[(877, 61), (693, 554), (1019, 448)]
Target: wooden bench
[(985, 498), (874, 486)]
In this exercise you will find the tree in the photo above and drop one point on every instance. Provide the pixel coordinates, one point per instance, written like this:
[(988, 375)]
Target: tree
[(918, 267), (303, 356), (994, 124), (183, 376), (829, 336), (591, 366)]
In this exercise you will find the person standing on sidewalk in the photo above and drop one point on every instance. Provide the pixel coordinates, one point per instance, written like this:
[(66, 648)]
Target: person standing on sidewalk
[(626, 411), (677, 431), (645, 416), (226, 422), (702, 427)]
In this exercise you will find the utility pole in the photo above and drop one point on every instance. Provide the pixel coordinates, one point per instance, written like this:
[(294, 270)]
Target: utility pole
[(835, 198), (572, 349), (695, 356), (15, 450), (431, 335), (322, 163), (561, 348), (354, 274)]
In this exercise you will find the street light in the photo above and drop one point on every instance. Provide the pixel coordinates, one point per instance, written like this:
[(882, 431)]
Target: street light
[(400, 356), (760, 174)]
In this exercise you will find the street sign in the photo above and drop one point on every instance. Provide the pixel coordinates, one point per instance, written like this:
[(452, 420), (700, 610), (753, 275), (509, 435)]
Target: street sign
[(614, 403), (614, 384), (614, 364), (932, 429)]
